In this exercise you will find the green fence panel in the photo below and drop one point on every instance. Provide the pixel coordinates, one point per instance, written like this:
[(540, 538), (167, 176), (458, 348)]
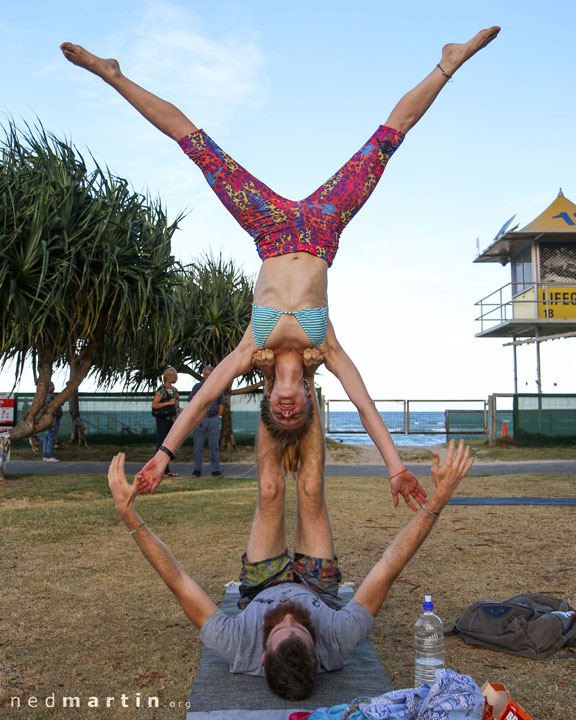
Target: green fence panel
[(544, 419), (127, 417)]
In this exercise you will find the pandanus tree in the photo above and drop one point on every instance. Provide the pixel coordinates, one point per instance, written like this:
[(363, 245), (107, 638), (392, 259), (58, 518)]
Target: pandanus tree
[(86, 273), (215, 306)]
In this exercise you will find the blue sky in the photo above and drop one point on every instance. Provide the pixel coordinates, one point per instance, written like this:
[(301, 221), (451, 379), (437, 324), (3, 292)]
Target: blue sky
[(291, 90)]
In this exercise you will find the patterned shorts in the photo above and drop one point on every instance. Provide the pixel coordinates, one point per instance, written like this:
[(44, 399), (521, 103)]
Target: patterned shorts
[(319, 574), (280, 226)]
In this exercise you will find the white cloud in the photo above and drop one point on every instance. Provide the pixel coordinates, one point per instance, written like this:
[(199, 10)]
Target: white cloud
[(214, 77)]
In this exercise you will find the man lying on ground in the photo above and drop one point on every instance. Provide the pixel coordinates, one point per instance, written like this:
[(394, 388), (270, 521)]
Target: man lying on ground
[(292, 625)]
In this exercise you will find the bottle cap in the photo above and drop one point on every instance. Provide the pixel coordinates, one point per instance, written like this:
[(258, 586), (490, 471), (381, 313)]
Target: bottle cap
[(428, 604)]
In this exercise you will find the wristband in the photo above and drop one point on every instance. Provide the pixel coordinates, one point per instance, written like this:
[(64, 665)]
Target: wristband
[(398, 473), (430, 512), (142, 524), (168, 452)]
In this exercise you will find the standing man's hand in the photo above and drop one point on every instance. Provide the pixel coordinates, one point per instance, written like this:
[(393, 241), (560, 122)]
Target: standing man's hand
[(265, 361), (312, 358)]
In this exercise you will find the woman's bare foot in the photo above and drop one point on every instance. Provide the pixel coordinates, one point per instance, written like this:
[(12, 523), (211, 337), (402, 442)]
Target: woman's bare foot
[(455, 55), (108, 70)]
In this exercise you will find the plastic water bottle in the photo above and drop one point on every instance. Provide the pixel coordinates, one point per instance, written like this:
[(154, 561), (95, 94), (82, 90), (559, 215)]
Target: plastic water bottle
[(428, 645)]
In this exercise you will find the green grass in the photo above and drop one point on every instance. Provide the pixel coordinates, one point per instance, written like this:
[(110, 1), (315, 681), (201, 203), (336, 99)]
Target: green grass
[(68, 506), (82, 487), (84, 614)]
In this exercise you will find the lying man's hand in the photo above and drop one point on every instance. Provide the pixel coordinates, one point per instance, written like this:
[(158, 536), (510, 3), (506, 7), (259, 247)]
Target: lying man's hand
[(447, 477), (122, 492)]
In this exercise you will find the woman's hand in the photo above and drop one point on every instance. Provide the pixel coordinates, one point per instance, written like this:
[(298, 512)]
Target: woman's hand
[(312, 358), (122, 492), (405, 484), (265, 361), (152, 473)]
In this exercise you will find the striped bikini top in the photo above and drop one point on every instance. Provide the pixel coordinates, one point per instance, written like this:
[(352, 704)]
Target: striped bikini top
[(313, 321)]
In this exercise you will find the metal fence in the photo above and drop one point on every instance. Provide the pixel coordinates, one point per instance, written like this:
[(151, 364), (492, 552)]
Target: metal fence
[(536, 301), (531, 419), (110, 417), (413, 417), (544, 419)]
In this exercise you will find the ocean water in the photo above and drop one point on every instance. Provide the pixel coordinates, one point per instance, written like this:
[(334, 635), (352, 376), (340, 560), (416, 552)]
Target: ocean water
[(346, 427), (400, 439)]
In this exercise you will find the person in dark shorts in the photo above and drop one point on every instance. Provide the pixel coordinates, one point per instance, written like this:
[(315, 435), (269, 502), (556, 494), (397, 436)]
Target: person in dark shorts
[(292, 625)]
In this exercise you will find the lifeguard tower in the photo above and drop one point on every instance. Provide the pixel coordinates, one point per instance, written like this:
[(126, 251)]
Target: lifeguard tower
[(539, 302)]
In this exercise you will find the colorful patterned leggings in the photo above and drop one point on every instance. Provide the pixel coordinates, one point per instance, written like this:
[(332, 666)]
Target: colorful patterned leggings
[(280, 226)]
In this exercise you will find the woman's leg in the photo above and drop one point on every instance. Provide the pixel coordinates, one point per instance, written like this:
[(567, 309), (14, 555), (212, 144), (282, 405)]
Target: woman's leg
[(334, 204), (254, 206), (163, 115), (415, 103)]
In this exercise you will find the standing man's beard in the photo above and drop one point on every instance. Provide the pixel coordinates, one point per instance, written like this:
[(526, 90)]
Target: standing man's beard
[(276, 614)]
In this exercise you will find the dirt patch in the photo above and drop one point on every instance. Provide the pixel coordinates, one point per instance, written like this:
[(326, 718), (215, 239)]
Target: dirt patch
[(83, 613)]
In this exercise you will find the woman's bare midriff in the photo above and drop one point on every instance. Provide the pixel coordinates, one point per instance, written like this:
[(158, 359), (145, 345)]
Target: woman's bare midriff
[(292, 282)]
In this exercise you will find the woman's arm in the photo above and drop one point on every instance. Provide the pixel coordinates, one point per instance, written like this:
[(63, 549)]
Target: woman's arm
[(338, 362), (157, 403), (237, 363)]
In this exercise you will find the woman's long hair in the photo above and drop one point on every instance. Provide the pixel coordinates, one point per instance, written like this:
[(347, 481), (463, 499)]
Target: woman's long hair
[(289, 439)]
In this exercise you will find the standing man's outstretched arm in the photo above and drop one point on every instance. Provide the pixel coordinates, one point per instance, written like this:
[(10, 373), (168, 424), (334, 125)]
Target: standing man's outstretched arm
[(197, 605), (446, 477)]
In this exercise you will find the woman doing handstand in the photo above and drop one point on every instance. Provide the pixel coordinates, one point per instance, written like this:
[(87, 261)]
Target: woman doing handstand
[(297, 242)]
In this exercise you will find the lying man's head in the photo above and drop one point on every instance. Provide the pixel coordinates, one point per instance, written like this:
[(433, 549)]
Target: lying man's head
[(290, 660)]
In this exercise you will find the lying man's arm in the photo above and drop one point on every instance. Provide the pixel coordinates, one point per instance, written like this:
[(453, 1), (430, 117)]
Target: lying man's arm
[(380, 579), (197, 605)]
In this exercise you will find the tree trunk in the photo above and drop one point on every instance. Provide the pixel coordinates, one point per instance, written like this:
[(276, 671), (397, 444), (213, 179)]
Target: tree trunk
[(40, 417), (227, 441), (4, 449), (77, 436)]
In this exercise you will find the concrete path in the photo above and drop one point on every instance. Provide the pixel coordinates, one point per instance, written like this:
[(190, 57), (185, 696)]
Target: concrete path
[(239, 470)]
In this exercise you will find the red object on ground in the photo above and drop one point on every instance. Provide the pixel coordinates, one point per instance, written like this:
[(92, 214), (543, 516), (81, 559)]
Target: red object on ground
[(504, 429)]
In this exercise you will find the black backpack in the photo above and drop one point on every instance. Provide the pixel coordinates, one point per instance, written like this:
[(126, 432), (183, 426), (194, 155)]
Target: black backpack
[(523, 625)]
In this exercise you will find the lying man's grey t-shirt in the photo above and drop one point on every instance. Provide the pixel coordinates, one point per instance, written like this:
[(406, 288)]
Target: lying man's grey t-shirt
[(238, 640)]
